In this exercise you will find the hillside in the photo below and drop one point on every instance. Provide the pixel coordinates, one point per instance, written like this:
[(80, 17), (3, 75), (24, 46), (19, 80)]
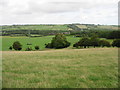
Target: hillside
[(63, 27)]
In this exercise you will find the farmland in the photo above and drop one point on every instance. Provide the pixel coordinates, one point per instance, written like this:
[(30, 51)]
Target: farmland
[(69, 67), (63, 27), (66, 68), (40, 41)]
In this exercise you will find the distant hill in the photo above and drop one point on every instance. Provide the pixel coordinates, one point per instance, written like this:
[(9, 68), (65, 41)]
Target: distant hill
[(64, 27)]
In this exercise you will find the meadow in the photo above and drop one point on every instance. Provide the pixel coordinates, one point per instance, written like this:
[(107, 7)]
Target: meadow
[(56, 68), (64, 68), (7, 41)]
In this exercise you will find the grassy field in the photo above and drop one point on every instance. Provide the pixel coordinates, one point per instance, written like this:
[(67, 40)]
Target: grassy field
[(65, 68), (7, 41), (40, 41), (36, 27)]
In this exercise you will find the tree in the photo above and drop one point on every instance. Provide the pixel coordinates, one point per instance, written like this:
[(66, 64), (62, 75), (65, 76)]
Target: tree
[(76, 45), (17, 45), (48, 45), (10, 48), (37, 48), (59, 41), (103, 43), (84, 42), (116, 43), (114, 35), (94, 41)]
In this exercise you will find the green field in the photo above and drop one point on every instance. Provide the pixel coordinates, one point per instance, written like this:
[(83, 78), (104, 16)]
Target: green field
[(7, 41), (63, 27), (36, 27), (66, 68), (40, 41)]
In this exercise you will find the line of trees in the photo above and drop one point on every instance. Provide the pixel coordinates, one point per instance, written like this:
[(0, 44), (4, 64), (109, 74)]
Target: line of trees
[(94, 41), (109, 34)]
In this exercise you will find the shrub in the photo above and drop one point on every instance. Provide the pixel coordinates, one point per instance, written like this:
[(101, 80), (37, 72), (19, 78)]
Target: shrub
[(17, 45), (48, 45), (37, 48), (10, 48), (116, 43), (59, 41), (28, 49), (103, 43)]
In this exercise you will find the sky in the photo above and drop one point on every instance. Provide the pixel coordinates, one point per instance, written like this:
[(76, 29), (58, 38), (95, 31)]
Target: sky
[(58, 12)]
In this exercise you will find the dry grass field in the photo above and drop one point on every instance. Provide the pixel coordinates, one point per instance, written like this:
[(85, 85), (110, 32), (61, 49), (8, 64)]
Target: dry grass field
[(65, 68)]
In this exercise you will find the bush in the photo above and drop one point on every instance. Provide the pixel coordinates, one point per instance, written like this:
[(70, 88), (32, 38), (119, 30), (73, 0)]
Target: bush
[(59, 41), (103, 43), (48, 45), (28, 49), (10, 48), (17, 45), (116, 43), (37, 48)]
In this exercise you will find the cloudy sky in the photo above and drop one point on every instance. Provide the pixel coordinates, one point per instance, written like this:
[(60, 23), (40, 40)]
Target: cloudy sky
[(58, 11)]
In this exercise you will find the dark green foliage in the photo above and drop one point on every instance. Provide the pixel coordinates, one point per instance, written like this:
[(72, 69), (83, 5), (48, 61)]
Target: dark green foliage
[(103, 43), (48, 45), (37, 47), (94, 41), (84, 42), (110, 34), (10, 48), (114, 35), (76, 45), (17, 45), (28, 49), (59, 41), (116, 43)]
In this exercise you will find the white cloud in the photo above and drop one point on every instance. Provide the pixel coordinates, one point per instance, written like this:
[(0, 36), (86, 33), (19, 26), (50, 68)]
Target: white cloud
[(58, 11)]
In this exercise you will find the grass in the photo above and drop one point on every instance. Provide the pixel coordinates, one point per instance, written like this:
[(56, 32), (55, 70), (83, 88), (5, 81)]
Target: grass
[(39, 41), (36, 27), (7, 41), (66, 68)]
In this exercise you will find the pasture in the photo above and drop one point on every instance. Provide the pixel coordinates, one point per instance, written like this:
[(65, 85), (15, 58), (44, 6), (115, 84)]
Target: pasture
[(65, 68), (36, 27), (7, 41)]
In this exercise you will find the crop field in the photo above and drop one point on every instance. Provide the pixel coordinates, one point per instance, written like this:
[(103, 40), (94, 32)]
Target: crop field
[(36, 27), (82, 26), (65, 68)]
